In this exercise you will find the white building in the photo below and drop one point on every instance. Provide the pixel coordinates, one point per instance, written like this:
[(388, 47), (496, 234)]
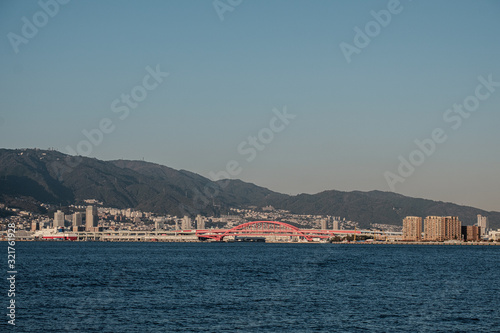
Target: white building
[(494, 235), (90, 218), (482, 222), (58, 219)]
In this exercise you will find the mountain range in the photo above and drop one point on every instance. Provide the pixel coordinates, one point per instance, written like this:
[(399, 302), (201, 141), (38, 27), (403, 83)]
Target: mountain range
[(29, 177)]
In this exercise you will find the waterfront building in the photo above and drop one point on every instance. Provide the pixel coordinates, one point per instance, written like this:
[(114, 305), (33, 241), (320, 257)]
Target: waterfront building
[(442, 228), (200, 223), (35, 226), (494, 235), (90, 218), (482, 222), (77, 219), (159, 223), (58, 219), (453, 228), (324, 224), (412, 228), (434, 229), (186, 223), (471, 233), (335, 225)]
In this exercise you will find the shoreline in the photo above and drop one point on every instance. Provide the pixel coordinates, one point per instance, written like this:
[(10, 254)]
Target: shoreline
[(426, 243), (268, 242)]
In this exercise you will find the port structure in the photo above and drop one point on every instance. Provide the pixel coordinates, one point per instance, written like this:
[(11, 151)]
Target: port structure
[(265, 228)]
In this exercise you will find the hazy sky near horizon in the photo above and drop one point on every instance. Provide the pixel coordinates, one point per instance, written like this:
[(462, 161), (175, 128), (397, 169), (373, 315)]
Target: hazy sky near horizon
[(353, 120)]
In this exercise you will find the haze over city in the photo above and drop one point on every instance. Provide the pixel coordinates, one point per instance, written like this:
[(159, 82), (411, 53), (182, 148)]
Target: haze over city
[(215, 84)]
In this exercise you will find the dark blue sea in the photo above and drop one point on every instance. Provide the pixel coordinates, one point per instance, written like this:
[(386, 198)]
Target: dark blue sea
[(252, 287)]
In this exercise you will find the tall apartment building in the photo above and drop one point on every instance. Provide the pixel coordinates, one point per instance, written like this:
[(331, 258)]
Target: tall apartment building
[(200, 223), (186, 223), (324, 223), (482, 222), (472, 233), (335, 225), (35, 226), (77, 219), (434, 229), (442, 228), (453, 228), (412, 228), (58, 219), (91, 218)]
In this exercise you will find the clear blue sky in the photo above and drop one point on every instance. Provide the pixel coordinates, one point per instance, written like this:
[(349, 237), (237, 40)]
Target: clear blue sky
[(225, 77)]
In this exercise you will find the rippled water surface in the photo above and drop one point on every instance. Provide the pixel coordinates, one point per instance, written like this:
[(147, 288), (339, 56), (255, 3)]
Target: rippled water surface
[(251, 287)]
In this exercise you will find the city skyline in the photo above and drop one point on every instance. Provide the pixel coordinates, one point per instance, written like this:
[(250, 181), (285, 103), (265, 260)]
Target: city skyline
[(123, 222), (208, 80)]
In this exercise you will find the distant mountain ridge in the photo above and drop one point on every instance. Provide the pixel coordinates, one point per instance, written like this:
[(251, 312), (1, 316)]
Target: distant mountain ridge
[(53, 177)]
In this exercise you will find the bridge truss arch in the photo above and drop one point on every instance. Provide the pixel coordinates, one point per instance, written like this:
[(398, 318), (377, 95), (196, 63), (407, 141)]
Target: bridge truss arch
[(260, 228)]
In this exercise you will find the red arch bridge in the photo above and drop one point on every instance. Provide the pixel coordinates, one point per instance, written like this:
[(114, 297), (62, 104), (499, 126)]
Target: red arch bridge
[(270, 228)]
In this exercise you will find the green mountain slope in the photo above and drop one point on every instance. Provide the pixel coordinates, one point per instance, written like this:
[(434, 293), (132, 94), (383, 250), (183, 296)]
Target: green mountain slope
[(52, 177)]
